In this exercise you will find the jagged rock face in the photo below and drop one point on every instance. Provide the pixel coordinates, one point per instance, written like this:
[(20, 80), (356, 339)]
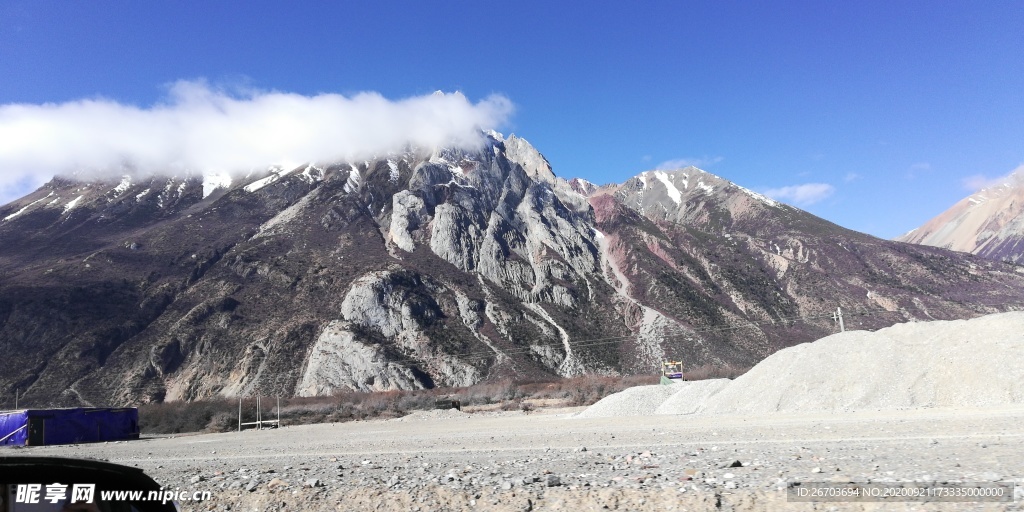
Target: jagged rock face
[(988, 223), (431, 268), (339, 360)]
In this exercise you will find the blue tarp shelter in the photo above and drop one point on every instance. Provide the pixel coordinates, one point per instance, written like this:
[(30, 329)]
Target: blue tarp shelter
[(37, 427)]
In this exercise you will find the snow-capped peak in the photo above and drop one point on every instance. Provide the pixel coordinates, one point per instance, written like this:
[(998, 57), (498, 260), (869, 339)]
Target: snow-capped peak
[(214, 180), (126, 181)]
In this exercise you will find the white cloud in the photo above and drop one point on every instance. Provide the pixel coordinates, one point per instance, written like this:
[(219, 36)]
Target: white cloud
[(851, 177), (802, 195), (679, 163), (979, 181), (199, 128)]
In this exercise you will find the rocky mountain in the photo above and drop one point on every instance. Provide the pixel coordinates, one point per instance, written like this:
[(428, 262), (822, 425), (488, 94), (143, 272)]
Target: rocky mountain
[(432, 268), (988, 223)]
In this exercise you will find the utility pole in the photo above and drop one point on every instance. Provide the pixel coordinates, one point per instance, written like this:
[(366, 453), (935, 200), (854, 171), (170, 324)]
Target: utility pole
[(838, 317), (16, 391), (239, 414)]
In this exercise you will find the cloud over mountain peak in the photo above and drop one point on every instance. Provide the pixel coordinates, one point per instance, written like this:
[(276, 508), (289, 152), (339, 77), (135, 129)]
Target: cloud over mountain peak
[(200, 128)]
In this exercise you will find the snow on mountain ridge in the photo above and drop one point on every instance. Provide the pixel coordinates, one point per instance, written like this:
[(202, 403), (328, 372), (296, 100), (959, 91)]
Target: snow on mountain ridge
[(673, 192), (343, 277), (214, 180), (126, 181)]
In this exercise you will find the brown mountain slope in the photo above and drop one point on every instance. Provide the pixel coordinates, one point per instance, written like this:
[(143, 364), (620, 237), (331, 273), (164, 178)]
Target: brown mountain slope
[(988, 223), (432, 268)]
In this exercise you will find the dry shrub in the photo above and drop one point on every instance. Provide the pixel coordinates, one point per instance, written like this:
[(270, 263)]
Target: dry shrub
[(491, 392), (511, 405), (299, 409), (711, 371), (222, 422), (415, 402), (222, 415), (587, 389), (178, 417)]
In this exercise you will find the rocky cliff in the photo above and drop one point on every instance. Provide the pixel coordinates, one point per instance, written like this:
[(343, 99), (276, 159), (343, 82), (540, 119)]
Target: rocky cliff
[(432, 268)]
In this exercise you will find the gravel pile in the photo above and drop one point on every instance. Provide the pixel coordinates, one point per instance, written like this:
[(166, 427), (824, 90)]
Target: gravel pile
[(635, 401), (961, 363), (432, 414), (691, 397)]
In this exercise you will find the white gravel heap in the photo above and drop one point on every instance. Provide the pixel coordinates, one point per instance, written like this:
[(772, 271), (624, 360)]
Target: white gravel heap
[(635, 401), (692, 397), (961, 363)]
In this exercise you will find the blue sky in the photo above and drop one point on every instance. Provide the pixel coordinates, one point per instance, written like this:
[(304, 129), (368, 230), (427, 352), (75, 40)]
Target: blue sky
[(876, 115)]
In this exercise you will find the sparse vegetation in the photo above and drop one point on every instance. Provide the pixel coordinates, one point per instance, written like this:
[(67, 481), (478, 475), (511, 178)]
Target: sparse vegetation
[(709, 371), (221, 415)]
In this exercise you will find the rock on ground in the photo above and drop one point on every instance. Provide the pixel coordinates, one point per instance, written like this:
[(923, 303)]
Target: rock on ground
[(515, 462)]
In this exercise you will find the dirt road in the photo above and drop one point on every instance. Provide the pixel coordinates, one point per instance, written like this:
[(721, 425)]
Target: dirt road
[(550, 460)]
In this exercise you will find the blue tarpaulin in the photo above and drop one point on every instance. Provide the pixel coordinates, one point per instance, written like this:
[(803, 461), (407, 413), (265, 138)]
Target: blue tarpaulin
[(68, 426)]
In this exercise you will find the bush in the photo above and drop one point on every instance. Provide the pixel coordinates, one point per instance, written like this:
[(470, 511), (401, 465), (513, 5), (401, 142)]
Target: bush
[(512, 405), (221, 415), (710, 371), (179, 417), (222, 422)]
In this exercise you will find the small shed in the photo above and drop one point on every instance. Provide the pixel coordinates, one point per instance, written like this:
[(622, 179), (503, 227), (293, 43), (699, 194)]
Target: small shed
[(38, 427)]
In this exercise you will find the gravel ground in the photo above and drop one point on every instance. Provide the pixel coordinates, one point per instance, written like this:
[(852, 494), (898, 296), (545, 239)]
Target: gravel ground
[(551, 460), (926, 402)]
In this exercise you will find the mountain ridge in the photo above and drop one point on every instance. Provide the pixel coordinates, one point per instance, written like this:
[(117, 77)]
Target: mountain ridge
[(989, 223), (432, 268)]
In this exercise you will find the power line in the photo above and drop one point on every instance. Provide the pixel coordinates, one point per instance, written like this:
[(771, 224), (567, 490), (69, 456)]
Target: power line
[(673, 332), (670, 332)]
